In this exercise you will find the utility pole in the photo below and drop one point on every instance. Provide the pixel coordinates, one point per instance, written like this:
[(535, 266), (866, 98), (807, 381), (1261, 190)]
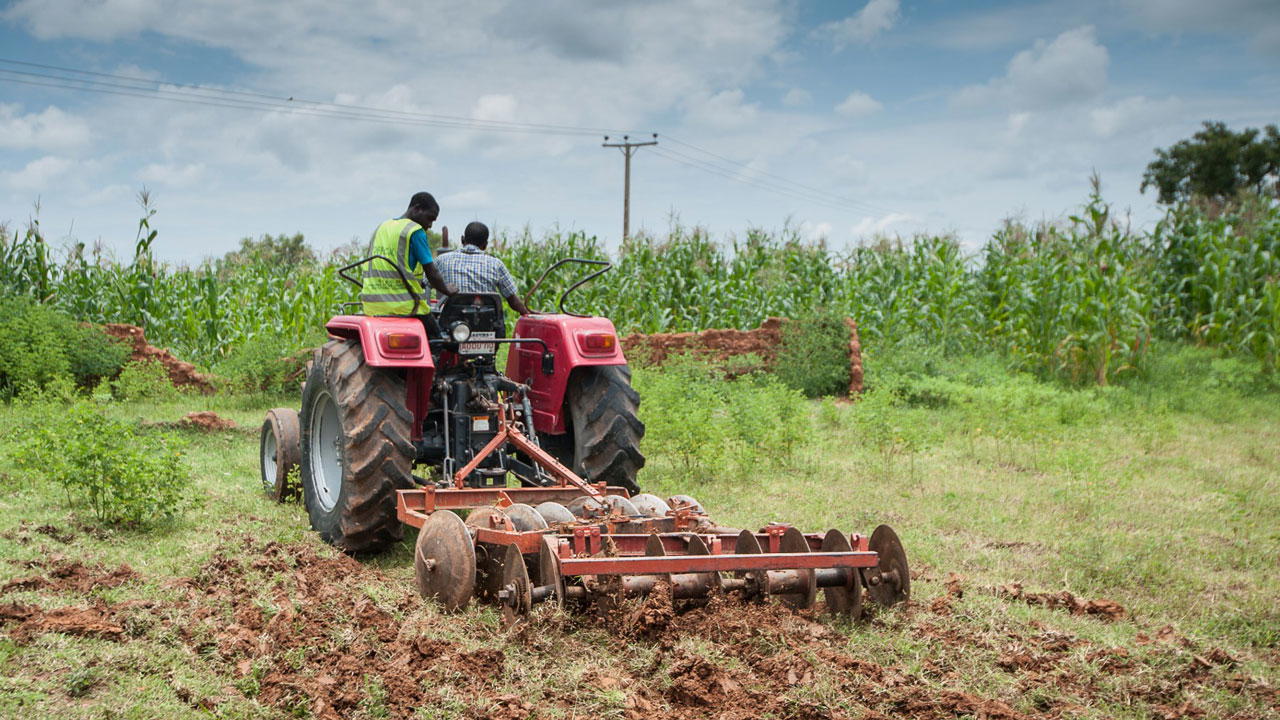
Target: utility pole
[(628, 149)]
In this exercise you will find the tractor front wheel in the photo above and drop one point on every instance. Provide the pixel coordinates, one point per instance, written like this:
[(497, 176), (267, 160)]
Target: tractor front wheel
[(356, 448)]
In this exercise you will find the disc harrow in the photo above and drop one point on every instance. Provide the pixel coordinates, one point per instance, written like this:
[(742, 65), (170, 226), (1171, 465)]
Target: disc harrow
[(517, 555)]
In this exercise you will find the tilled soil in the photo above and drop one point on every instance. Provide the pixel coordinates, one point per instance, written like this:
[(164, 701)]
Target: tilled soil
[(307, 632)]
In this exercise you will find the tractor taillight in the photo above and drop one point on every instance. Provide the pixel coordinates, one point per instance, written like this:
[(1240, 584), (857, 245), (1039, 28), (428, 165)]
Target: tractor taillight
[(401, 343), (597, 343)]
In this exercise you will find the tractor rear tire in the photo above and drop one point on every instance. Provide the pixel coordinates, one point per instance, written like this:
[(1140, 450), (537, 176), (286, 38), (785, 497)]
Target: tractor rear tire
[(606, 428), (356, 448)]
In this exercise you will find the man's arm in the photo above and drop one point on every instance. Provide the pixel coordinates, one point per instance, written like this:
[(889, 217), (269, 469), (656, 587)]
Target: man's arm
[(517, 304), (507, 286), (420, 253), (437, 280)]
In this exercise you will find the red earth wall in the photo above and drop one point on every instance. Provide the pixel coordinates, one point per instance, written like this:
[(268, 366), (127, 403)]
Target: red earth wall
[(720, 345)]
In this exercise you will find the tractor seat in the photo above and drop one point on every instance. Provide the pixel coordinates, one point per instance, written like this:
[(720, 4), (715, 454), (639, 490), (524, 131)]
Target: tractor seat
[(482, 312)]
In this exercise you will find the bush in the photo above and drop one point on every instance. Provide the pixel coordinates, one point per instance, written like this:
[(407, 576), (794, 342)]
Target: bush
[(125, 475), (814, 355), (40, 346), (144, 380), (719, 427), (258, 366)]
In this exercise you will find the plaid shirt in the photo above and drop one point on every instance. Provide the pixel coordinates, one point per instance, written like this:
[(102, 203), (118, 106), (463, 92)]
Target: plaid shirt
[(475, 271)]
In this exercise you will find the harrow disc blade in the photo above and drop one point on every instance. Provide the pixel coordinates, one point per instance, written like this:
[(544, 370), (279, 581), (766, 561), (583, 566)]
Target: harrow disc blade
[(619, 505), (890, 582), (585, 506), (549, 568), (490, 517), (695, 585), (525, 518), (444, 561), (843, 599), (748, 545), (684, 501), (555, 513), (514, 595), (650, 505), (793, 542)]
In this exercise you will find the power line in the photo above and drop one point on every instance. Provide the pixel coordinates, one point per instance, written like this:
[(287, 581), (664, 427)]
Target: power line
[(697, 164), (191, 94), (856, 204), (196, 94)]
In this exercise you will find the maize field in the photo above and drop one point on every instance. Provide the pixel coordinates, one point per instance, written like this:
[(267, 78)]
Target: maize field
[(1081, 299)]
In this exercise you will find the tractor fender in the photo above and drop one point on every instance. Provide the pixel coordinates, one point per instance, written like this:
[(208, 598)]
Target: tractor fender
[(386, 341), (565, 336), (378, 338)]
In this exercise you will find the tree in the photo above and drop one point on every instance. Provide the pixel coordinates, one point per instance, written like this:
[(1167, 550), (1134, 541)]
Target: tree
[(284, 250), (1217, 164)]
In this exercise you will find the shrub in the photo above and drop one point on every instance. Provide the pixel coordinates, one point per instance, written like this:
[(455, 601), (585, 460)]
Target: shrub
[(715, 426), (814, 355), (262, 366), (125, 475), (40, 346), (143, 380)]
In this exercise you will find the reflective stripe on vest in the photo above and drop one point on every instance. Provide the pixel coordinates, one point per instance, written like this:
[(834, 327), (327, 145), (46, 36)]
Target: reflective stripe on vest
[(384, 291)]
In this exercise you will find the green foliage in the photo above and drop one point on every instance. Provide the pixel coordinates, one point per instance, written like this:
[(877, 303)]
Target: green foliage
[(1218, 164), (262, 366), (814, 355), (124, 475), (1073, 301), (281, 250), (714, 426), (143, 380), (40, 346), (1079, 300)]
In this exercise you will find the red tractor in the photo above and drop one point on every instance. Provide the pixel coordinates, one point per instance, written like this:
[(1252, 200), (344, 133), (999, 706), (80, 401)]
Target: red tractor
[(543, 457)]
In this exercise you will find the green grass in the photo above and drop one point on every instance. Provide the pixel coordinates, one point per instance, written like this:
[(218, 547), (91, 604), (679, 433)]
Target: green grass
[(1161, 495)]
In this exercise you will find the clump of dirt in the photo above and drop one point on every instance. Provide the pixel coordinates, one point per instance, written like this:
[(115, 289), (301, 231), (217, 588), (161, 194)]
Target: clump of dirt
[(181, 374), (64, 575), (1105, 609), (24, 533), (94, 621), (206, 421), (719, 346)]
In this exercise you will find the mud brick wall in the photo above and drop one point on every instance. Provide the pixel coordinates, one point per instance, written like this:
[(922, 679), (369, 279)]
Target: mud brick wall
[(720, 345)]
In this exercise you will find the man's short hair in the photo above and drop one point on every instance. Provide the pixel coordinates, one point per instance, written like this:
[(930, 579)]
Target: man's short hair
[(477, 233), (426, 202)]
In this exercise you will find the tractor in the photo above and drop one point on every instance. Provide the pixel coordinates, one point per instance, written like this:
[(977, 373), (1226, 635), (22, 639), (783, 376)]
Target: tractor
[(409, 421)]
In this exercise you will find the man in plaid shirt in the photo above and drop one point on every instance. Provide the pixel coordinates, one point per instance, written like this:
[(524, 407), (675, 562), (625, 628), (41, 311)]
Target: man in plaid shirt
[(473, 270)]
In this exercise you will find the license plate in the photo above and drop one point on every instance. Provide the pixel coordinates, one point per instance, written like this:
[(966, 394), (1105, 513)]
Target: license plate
[(471, 347)]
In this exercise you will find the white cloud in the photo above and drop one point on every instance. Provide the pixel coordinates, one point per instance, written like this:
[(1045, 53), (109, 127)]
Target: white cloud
[(177, 176), (473, 199), (51, 129), (1257, 19), (1130, 113), (815, 231), (501, 108), (879, 225), (858, 104), (39, 173), (1070, 69), (796, 97), (723, 110), (874, 18)]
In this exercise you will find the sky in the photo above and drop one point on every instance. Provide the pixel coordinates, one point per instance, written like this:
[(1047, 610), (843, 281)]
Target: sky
[(843, 120)]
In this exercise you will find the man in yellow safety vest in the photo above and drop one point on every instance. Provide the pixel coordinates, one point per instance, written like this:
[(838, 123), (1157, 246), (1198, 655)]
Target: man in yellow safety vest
[(402, 245)]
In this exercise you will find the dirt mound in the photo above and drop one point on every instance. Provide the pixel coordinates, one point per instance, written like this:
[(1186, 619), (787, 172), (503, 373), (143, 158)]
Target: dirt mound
[(1105, 609), (721, 345), (95, 621), (206, 421), (70, 576), (181, 374)]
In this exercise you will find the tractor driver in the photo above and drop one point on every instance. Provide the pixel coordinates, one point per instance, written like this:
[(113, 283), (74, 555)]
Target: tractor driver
[(404, 241), (475, 271)]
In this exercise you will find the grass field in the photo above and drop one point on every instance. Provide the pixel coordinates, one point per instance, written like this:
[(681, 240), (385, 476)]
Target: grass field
[(1160, 496)]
